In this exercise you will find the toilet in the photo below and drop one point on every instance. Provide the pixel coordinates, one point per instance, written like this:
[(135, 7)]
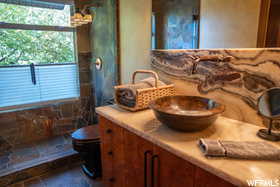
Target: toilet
[(86, 142)]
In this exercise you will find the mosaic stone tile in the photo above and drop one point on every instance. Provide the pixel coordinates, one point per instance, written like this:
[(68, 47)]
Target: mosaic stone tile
[(23, 153), (18, 185), (67, 110), (84, 61), (37, 182), (73, 177), (85, 76), (63, 177), (50, 156), (85, 89), (5, 147), (54, 145), (4, 162)]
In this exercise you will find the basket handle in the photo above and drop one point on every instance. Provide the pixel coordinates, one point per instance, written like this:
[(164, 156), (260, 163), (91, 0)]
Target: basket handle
[(146, 72)]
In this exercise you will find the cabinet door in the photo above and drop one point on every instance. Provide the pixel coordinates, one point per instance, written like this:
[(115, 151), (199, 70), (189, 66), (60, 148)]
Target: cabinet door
[(138, 153), (206, 179), (111, 153), (171, 171)]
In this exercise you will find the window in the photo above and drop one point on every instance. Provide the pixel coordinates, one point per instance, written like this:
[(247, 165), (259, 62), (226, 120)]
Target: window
[(37, 52)]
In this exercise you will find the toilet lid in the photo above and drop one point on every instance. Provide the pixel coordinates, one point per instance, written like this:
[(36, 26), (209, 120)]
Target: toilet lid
[(87, 133)]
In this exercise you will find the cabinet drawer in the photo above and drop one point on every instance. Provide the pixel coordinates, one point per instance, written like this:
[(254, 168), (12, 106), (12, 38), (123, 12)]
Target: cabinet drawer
[(112, 153)]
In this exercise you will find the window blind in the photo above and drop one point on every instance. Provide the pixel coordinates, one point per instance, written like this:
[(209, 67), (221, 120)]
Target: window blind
[(58, 82), (16, 87), (53, 82)]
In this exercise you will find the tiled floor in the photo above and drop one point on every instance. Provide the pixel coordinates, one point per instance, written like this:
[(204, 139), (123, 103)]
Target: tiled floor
[(69, 177), (24, 156)]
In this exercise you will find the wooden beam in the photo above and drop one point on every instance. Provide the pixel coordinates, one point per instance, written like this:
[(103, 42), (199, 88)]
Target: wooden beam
[(263, 22)]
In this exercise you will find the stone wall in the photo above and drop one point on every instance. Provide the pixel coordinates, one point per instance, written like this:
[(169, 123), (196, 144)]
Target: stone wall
[(234, 77)]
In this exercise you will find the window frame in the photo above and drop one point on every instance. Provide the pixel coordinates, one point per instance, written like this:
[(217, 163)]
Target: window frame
[(4, 25)]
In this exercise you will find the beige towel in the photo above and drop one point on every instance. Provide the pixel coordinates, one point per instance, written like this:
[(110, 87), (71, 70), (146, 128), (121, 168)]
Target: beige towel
[(239, 150), (127, 96)]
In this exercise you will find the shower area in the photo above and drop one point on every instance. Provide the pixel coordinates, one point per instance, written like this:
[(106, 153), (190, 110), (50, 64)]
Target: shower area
[(37, 139)]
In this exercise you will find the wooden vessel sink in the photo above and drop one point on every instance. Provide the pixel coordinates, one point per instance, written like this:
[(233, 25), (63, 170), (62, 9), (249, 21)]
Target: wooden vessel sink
[(186, 113)]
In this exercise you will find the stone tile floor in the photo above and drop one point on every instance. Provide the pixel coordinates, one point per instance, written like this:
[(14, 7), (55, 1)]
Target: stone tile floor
[(66, 177), (24, 156)]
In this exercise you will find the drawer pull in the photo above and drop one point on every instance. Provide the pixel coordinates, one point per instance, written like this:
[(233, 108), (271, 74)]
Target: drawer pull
[(110, 153), (154, 158), (112, 179), (109, 131)]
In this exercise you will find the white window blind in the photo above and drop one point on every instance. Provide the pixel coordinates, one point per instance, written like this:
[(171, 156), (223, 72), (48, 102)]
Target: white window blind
[(53, 82), (58, 82), (16, 87)]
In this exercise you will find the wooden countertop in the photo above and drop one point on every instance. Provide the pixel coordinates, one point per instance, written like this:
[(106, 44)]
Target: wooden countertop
[(184, 145)]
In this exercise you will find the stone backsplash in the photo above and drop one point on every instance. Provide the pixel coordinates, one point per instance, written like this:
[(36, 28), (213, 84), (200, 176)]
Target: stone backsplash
[(235, 77)]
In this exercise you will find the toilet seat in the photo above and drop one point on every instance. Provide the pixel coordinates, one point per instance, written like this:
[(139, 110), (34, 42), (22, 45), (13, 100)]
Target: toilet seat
[(88, 134)]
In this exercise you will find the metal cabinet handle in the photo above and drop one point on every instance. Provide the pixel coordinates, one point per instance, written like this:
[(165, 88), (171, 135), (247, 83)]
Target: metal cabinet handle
[(145, 166), (155, 157)]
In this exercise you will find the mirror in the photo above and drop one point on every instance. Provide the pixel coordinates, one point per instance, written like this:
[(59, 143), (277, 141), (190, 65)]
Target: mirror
[(204, 24), (269, 107)]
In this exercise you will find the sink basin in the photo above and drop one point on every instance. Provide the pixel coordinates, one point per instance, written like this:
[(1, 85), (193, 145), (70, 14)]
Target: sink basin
[(186, 113)]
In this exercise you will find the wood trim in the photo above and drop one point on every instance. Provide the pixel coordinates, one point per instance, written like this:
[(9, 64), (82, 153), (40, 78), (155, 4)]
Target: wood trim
[(36, 27), (263, 23), (118, 42)]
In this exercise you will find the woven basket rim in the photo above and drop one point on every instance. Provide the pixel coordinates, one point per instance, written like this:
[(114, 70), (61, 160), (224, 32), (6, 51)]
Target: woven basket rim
[(151, 88)]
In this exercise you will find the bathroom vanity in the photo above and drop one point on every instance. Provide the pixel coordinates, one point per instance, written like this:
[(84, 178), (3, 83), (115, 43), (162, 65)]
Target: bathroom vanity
[(137, 150)]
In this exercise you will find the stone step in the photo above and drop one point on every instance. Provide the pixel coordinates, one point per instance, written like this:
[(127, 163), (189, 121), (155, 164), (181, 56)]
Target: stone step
[(31, 160)]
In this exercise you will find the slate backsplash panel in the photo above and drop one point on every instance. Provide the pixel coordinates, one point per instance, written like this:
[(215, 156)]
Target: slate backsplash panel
[(235, 77)]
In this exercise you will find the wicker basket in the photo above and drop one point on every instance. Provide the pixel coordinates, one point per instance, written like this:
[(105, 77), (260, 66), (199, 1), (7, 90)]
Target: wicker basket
[(145, 95)]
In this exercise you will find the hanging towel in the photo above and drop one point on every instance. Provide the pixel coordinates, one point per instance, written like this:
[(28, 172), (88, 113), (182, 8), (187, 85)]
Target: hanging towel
[(239, 150)]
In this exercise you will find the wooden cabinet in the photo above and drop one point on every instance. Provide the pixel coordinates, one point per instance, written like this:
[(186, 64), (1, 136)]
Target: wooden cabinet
[(131, 161), (206, 179), (171, 171), (138, 153), (112, 153)]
